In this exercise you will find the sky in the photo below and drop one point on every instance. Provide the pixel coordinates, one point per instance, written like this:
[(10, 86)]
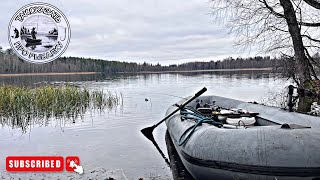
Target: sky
[(153, 31)]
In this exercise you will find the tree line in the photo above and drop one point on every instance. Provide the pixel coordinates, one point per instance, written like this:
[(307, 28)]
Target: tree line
[(10, 64)]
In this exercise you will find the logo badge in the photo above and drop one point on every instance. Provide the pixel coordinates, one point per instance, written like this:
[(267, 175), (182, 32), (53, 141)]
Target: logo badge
[(39, 33)]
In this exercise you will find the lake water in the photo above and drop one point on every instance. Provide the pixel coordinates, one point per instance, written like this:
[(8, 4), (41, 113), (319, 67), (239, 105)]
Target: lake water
[(110, 144)]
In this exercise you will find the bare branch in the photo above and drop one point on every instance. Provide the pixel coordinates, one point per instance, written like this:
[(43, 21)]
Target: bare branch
[(309, 24), (310, 38), (313, 73), (279, 15)]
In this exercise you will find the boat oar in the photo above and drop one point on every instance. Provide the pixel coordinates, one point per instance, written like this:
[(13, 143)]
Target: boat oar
[(147, 132)]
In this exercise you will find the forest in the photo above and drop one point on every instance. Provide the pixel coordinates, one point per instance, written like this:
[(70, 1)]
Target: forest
[(11, 64)]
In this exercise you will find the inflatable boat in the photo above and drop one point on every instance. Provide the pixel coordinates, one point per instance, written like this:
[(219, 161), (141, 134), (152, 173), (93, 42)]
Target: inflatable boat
[(222, 138)]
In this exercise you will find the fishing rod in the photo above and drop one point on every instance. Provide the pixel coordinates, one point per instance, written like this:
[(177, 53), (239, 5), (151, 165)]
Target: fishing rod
[(146, 99), (171, 95)]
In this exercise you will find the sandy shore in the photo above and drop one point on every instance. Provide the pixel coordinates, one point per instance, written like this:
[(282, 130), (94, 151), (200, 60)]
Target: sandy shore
[(49, 74)]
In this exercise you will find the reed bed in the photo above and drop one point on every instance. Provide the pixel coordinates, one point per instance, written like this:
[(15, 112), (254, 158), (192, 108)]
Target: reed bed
[(20, 105)]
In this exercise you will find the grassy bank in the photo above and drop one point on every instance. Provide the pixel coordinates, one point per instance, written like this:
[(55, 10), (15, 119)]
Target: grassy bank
[(20, 105)]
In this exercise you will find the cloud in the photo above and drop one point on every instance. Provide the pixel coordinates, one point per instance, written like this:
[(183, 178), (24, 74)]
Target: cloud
[(163, 31)]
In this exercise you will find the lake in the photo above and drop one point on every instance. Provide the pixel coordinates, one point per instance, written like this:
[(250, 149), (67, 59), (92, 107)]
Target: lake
[(110, 144)]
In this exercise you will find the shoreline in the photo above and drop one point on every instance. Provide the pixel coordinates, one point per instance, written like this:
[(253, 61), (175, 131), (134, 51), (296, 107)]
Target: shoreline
[(141, 72), (49, 74), (204, 70)]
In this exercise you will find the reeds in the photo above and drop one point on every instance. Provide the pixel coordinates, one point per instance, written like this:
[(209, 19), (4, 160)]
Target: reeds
[(20, 105)]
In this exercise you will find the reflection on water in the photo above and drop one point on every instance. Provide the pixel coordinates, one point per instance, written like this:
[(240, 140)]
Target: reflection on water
[(248, 73), (112, 140), (177, 167), (32, 80)]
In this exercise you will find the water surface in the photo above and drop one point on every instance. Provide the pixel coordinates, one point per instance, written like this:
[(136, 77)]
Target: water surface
[(112, 140)]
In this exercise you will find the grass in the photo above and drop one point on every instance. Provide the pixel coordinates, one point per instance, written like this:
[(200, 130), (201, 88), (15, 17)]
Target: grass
[(20, 105)]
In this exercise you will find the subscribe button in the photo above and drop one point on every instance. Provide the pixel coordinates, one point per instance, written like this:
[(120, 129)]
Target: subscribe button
[(42, 164)]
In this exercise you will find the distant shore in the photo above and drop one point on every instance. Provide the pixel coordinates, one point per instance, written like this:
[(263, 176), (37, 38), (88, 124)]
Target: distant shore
[(141, 72), (205, 70), (49, 74)]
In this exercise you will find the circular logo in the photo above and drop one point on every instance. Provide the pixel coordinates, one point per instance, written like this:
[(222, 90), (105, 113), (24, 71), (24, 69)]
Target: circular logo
[(39, 33)]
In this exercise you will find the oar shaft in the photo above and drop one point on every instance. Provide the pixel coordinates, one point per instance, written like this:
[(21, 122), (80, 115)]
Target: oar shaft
[(182, 105), (169, 115)]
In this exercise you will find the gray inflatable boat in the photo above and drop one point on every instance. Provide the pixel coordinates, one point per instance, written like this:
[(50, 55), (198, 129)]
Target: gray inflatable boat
[(279, 145)]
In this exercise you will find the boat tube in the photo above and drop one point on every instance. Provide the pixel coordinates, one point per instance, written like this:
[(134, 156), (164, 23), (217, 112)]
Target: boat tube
[(277, 144)]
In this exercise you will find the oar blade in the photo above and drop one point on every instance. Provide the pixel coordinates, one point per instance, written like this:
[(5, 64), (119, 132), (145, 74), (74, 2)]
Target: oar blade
[(147, 132)]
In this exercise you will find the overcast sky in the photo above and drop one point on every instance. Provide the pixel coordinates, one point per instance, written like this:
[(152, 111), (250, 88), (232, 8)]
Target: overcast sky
[(164, 31)]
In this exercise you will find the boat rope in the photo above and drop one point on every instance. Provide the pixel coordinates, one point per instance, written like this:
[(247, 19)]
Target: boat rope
[(239, 123), (192, 114)]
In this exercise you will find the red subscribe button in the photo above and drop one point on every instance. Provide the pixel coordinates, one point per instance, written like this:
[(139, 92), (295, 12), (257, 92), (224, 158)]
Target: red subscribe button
[(34, 163)]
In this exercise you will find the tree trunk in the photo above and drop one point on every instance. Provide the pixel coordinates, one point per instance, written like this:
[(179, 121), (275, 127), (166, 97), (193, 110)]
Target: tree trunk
[(301, 61)]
